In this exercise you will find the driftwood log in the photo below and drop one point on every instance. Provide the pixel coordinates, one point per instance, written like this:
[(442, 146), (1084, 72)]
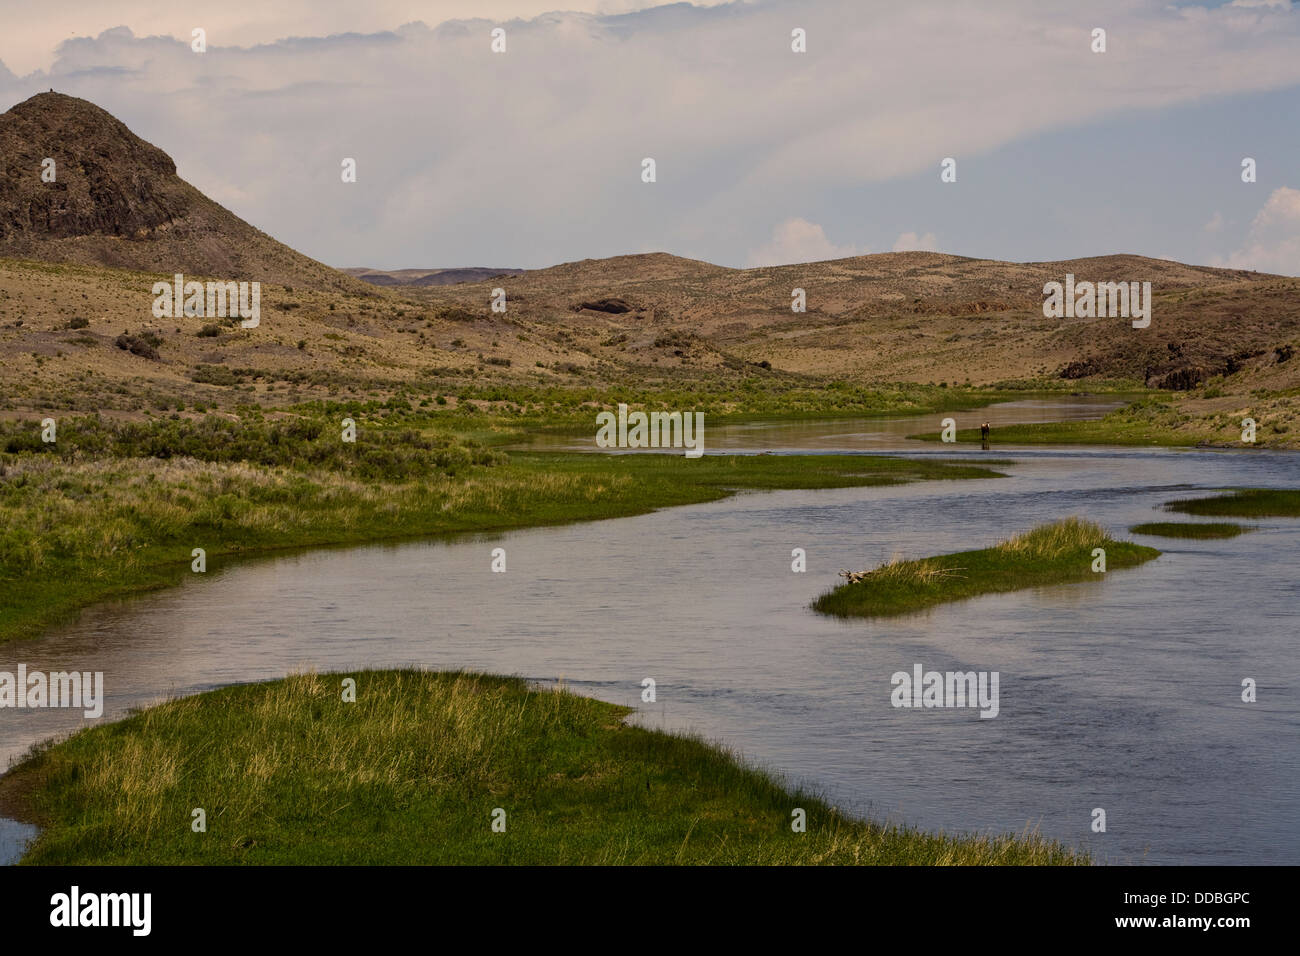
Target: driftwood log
[(855, 577)]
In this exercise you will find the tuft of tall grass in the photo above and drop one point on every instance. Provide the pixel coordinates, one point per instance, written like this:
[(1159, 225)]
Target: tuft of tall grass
[(1048, 542)]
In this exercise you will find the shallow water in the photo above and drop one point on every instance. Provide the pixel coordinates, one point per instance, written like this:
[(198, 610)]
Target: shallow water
[(1122, 694), (14, 838), (883, 433)]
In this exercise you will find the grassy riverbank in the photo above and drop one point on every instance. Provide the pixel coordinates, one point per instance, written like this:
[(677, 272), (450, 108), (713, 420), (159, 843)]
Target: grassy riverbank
[(1243, 503), (116, 508), (1153, 421), (1191, 529), (411, 772), (1049, 554)]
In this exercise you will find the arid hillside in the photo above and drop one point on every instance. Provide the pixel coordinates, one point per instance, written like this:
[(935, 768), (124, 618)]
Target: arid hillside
[(904, 317), (79, 257), (420, 277)]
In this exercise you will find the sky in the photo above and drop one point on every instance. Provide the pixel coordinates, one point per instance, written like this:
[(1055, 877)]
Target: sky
[(763, 155)]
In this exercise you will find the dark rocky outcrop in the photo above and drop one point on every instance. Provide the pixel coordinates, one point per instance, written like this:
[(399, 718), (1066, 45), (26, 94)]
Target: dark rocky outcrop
[(613, 306), (118, 201)]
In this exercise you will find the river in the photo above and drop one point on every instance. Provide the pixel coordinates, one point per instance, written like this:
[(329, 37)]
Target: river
[(1122, 694)]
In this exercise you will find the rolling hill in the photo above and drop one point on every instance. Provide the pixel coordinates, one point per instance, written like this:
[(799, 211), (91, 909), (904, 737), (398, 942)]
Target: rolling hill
[(78, 257), (117, 201)]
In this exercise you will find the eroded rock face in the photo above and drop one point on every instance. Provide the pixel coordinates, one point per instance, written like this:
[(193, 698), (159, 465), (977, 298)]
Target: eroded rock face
[(1081, 369), (117, 201), (1179, 376), (613, 306), (108, 181)]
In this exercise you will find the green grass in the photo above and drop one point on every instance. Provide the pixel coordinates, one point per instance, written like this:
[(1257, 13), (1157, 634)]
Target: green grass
[(752, 397), (1191, 529), (1145, 422), (1150, 421), (1075, 433), (1049, 554), (411, 772), (1243, 503), (379, 452), (91, 521)]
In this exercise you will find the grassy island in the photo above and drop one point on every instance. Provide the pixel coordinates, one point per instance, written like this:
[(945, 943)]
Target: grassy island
[(1242, 503), (1049, 554), (1191, 529), (414, 772)]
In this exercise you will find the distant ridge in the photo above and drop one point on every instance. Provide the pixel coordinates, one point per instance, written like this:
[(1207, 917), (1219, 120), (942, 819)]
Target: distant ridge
[(427, 277), (117, 201)]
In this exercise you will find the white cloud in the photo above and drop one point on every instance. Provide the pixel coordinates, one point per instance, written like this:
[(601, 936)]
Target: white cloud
[(32, 31), (1215, 223), (1273, 244), (798, 240), (1282, 209), (527, 158), (911, 242)]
